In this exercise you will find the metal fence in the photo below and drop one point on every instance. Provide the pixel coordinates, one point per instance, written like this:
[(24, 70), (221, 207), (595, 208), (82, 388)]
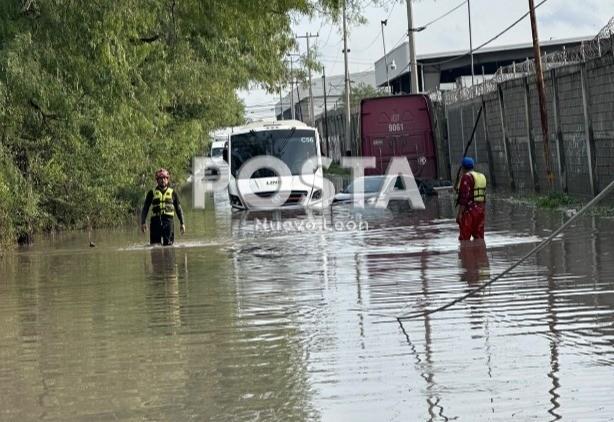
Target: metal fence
[(509, 143)]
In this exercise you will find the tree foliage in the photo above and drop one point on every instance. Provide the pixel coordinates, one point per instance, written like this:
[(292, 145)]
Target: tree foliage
[(360, 91), (95, 95)]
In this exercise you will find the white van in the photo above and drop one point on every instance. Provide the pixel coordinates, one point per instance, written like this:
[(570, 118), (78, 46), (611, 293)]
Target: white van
[(290, 141), (217, 149)]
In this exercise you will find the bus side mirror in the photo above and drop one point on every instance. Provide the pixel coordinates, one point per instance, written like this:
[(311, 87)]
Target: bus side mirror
[(225, 153)]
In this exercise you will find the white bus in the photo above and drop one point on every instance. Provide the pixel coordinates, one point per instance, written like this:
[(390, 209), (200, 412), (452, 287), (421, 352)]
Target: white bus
[(287, 142)]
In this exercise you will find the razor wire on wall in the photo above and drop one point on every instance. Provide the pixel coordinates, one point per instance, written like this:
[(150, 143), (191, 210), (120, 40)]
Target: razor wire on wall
[(580, 99), (600, 46)]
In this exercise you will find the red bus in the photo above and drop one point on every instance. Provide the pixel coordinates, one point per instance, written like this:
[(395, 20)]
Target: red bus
[(399, 126)]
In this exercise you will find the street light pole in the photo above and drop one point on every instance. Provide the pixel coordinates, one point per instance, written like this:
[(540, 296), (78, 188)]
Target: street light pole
[(413, 77), (384, 23)]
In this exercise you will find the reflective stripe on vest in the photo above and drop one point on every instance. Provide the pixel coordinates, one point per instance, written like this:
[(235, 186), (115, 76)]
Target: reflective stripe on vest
[(163, 203), (479, 186)]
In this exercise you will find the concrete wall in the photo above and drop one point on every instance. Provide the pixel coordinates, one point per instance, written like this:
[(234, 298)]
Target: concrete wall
[(509, 145)]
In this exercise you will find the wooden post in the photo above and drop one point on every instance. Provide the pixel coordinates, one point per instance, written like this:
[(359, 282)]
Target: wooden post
[(588, 133), (541, 92), (506, 147), (531, 141), (559, 133)]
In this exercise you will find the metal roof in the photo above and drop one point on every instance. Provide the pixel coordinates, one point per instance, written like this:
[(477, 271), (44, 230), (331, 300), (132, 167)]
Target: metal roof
[(495, 49)]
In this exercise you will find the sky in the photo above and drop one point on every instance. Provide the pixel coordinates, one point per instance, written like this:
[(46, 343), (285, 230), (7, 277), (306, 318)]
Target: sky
[(556, 19)]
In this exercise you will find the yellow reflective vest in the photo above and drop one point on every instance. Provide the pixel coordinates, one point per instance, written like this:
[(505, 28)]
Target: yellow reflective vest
[(162, 203), (479, 186)]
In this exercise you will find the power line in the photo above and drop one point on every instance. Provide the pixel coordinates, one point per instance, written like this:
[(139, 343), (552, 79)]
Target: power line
[(337, 59), (260, 107), (429, 23), (426, 25), (378, 36), (257, 105), (316, 44), (460, 56)]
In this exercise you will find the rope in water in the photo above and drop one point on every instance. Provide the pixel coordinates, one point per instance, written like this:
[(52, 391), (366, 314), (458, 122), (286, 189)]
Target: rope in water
[(533, 251)]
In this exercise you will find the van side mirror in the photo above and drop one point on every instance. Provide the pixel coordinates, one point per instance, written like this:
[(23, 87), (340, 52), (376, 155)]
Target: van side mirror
[(225, 153)]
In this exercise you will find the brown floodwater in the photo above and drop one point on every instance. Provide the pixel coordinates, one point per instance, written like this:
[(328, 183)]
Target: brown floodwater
[(291, 317)]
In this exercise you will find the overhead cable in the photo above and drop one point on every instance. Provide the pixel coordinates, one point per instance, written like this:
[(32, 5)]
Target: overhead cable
[(379, 34), (426, 25), (429, 23), (460, 56)]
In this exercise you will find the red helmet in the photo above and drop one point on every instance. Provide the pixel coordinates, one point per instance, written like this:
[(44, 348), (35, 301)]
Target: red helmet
[(162, 173)]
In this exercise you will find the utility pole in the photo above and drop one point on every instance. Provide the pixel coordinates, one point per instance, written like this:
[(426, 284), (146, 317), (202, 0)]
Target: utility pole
[(307, 36), (281, 104), (292, 89), (470, 41), (541, 92), (300, 107), (348, 118), (325, 112), (292, 111), (413, 77), (384, 23)]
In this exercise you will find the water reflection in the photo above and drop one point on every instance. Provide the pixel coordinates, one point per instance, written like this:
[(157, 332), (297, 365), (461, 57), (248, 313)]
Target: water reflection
[(474, 261), (237, 322), (163, 262), (163, 297)]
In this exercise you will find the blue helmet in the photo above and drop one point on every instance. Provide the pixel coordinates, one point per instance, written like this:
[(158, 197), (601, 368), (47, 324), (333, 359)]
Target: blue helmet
[(467, 163)]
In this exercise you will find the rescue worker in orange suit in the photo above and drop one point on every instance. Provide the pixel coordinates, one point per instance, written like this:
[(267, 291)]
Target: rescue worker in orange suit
[(164, 204), (471, 202)]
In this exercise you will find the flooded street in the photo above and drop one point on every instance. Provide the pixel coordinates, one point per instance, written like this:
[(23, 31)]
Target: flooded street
[(248, 321)]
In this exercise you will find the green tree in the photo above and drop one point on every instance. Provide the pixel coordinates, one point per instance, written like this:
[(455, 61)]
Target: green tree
[(95, 95), (360, 91)]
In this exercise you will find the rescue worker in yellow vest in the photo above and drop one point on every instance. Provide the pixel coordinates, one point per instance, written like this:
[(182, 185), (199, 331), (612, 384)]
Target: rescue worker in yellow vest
[(471, 202), (165, 204)]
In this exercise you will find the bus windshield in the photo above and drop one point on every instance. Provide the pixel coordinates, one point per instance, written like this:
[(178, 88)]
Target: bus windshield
[(292, 146)]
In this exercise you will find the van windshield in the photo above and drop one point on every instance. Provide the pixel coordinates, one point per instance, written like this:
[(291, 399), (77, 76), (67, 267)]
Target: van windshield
[(217, 152), (292, 146)]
